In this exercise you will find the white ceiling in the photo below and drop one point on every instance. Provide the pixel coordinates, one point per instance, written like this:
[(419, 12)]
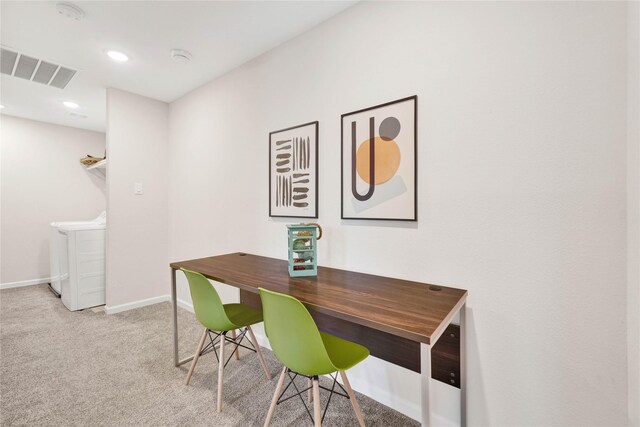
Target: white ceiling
[(219, 35)]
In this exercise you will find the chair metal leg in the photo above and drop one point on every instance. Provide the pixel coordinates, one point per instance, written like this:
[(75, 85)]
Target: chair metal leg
[(220, 373), (233, 337), (196, 356), (317, 415), (276, 394), (310, 391), (352, 398), (255, 344)]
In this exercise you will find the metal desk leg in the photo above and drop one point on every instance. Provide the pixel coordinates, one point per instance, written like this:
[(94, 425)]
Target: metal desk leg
[(174, 306), (463, 365), (425, 378)]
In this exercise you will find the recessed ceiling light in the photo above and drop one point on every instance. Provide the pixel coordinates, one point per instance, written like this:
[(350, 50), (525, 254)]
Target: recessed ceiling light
[(70, 104), (117, 56), (1, 106)]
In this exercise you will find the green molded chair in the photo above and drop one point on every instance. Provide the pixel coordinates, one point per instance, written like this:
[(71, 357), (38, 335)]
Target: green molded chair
[(220, 320), (305, 351)]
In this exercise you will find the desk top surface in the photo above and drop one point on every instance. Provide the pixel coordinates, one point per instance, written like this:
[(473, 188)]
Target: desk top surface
[(413, 310)]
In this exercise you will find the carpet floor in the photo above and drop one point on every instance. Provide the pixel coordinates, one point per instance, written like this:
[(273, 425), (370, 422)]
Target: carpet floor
[(62, 368)]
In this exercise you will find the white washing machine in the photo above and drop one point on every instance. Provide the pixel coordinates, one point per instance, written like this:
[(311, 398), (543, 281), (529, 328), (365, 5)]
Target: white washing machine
[(54, 248), (82, 265)]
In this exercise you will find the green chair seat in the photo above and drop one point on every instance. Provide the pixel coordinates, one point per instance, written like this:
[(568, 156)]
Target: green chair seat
[(242, 315), (343, 354)]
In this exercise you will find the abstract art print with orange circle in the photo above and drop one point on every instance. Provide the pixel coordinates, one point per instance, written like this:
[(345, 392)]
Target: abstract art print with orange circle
[(379, 162)]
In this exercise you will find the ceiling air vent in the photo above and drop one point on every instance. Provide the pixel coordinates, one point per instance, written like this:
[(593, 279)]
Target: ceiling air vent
[(34, 69)]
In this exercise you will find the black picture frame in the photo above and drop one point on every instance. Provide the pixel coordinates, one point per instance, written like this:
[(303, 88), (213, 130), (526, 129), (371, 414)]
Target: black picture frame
[(409, 213), (301, 152)]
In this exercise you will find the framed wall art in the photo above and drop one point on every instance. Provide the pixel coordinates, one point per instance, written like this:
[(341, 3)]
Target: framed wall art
[(379, 162), (293, 172)]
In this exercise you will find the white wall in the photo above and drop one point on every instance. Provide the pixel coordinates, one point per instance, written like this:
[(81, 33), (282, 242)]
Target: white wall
[(522, 178), (137, 262), (633, 209), (43, 181)]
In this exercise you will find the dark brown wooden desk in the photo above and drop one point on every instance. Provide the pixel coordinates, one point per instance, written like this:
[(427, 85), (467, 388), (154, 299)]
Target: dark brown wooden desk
[(398, 320)]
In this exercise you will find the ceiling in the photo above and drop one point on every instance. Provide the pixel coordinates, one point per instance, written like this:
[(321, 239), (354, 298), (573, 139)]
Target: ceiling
[(219, 35)]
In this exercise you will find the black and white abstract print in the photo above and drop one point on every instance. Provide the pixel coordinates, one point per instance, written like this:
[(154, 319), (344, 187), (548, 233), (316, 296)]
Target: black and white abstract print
[(293, 171)]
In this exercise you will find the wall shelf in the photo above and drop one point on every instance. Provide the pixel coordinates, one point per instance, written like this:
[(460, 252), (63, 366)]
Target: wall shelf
[(102, 164), (99, 168)]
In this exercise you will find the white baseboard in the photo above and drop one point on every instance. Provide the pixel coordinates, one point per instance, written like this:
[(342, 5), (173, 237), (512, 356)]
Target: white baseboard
[(185, 305), (136, 304), (25, 283), (144, 302)]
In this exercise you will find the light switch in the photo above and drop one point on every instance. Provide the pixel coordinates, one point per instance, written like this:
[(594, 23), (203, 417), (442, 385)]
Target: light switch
[(137, 188)]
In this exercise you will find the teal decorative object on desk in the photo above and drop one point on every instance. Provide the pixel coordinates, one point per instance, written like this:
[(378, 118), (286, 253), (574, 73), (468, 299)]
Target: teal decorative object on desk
[(303, 249)]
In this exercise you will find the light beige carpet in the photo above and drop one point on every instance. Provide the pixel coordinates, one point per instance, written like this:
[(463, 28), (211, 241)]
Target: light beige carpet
[(62, 368)]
